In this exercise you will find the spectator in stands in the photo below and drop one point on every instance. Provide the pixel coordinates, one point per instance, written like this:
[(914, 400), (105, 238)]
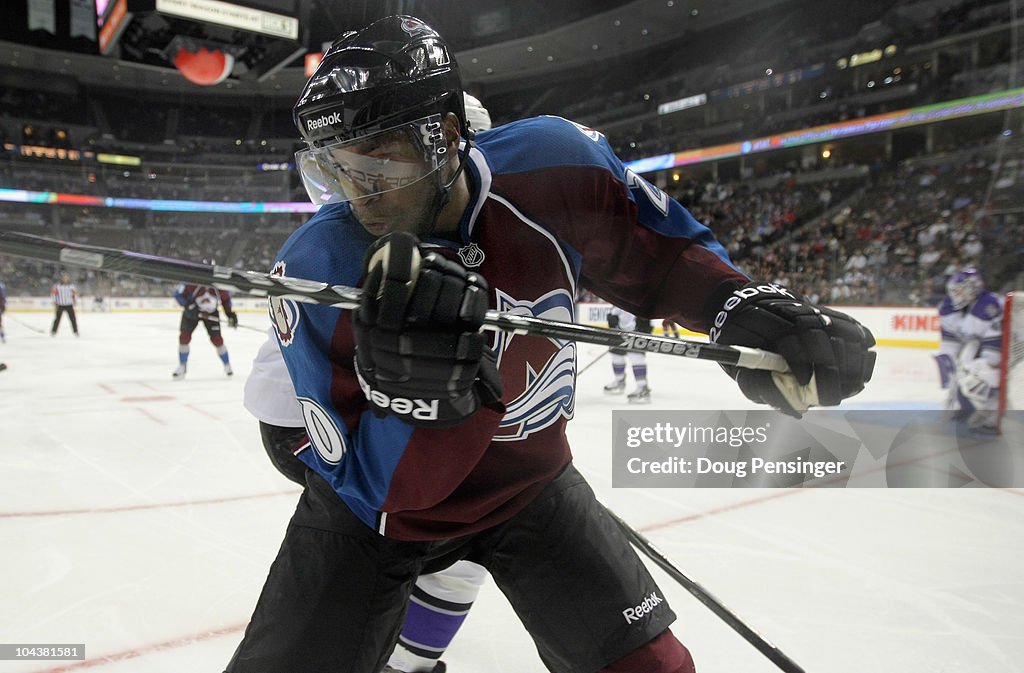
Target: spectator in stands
[(856, 262)]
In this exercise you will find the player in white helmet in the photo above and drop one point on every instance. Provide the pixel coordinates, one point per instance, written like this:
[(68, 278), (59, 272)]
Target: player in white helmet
[(970, 349)]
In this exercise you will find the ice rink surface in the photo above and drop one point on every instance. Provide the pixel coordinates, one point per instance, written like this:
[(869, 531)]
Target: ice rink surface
[(139, 516)]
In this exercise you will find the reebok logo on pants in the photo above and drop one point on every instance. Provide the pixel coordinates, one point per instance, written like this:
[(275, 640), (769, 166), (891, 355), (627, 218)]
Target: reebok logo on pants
[(637, 612)]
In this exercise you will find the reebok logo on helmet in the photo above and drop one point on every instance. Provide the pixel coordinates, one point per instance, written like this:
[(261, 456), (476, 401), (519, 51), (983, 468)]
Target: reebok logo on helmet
[(323, 121)]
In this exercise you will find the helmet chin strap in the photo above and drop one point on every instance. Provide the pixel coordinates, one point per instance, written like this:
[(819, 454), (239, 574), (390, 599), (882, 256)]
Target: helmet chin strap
[(442, 195)]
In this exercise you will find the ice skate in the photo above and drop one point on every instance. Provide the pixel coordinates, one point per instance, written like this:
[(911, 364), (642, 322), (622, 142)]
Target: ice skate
[(615, 387), (179, 373), (641, 395), (228, 370)]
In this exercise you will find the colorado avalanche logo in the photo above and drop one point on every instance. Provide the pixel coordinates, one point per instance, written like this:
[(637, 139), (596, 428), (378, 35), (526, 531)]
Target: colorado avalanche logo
[(471, 255), (414, 27), (284, 314), (549, 393)]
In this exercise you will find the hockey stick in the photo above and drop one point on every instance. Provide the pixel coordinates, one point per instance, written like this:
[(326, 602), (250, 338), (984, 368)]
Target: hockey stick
[(774, 654), (25, 324), (216, 319), (592, 363), (340, 296), (254, 329)]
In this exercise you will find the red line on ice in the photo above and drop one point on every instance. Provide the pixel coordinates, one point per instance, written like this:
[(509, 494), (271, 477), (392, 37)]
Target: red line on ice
[(157, 505), (145, 649)]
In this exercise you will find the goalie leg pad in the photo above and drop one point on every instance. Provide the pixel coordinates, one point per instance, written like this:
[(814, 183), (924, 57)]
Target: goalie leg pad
[(978, 382)]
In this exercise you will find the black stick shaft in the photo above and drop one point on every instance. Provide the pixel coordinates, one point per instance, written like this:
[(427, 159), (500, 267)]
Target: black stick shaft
[(645, 546), (592, 363), (25, 324), (340, 296)]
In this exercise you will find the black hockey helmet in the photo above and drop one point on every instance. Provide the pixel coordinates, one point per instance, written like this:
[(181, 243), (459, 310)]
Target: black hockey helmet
[(395, 70)]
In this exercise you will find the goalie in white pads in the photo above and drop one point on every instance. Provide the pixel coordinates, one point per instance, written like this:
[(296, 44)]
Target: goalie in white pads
[(970, 350)]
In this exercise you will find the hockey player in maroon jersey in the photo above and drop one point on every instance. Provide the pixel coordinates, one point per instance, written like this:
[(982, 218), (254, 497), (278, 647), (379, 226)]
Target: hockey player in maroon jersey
[(200, 304), (435, 442)]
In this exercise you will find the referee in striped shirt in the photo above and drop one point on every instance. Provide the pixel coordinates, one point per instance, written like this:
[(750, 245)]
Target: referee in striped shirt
[(64, 298)]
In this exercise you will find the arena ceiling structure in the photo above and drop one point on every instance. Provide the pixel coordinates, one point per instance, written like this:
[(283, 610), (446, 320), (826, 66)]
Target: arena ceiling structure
[(498, 44)]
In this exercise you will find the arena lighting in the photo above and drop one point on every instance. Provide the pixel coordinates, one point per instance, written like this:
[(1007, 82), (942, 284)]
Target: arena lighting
[(60, 198), (311, 62), (891, 121), (927, 114), (118, 159)]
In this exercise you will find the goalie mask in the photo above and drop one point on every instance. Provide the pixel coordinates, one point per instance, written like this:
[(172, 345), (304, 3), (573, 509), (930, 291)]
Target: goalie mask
[(372, 112), (964, 287)]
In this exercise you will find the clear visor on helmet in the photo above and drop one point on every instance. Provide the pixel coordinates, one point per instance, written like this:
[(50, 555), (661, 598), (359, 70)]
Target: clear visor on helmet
[(373, 164)]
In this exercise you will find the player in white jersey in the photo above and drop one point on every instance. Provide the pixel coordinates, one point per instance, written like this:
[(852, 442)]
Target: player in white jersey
[(623, 320), (970, 350), (440, 601)]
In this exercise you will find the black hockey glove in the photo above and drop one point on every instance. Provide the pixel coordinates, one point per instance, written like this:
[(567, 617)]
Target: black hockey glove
[(191, 312), (828, 352), (232, 319), (420, 354)]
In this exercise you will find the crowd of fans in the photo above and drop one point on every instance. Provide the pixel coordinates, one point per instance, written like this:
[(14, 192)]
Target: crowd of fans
[(892, 237), (873, 237), (887, 235), (895, 239)]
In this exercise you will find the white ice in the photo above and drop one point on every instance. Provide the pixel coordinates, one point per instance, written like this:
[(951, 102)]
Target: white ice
[(139, 516)]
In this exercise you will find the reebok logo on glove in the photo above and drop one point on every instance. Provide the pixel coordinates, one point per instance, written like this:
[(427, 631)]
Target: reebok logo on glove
[(414, 409), (738, 296), (420, 353)]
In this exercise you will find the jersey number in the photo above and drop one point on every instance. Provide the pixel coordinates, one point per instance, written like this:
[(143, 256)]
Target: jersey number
[(658, 198)]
